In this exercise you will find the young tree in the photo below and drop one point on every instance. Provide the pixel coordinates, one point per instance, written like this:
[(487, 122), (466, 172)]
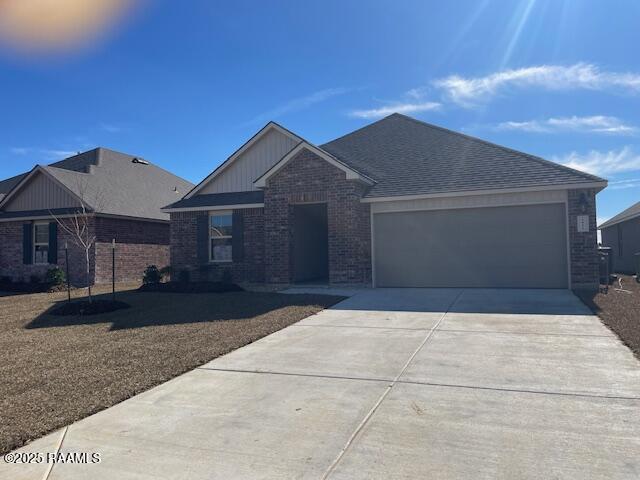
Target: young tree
[(78, 227)]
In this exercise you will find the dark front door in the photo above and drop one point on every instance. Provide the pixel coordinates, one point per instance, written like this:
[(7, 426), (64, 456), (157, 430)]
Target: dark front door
[(310, 246)]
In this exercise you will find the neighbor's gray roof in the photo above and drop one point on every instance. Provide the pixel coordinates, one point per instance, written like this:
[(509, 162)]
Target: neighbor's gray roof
[(112, 183), (632, 212), (9, 183), (217, 199), (409, 157)]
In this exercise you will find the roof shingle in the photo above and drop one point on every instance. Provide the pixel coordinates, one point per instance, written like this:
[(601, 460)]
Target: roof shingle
[(409, 157), (632, 212), (113, 183)]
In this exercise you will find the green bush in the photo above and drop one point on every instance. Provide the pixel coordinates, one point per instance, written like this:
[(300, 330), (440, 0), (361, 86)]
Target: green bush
[(55, 277), (151, 275), (166, 273)]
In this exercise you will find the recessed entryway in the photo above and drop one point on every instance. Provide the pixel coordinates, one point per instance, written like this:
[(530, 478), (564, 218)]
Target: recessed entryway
[(310, 243)]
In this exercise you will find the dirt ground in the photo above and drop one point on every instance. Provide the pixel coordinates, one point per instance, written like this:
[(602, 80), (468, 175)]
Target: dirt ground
[(619, 309), (56, 370)]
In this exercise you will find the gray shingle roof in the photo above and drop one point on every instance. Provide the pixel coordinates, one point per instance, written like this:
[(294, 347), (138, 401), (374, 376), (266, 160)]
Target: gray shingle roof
[(9, 183), (217, 199), (112, 183), (409, 157), (632, 212)]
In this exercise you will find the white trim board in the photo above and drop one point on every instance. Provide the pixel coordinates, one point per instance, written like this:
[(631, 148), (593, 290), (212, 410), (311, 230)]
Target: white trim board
[(569, 186), (351, 174), (471, 201), (214, 208), (252, 141)]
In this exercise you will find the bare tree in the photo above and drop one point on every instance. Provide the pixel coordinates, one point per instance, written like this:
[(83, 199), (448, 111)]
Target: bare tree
[(78, 227)]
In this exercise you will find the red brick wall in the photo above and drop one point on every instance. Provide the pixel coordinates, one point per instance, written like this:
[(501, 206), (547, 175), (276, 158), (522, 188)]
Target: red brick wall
[(583, 247), (11, 255), (309, 179), (184, 248), (139, 244)]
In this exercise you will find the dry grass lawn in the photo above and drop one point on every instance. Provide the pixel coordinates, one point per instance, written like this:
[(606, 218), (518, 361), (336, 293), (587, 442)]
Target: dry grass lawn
[(56, 370)]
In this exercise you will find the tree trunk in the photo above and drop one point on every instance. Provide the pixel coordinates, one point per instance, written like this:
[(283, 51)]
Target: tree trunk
[(88, 275)]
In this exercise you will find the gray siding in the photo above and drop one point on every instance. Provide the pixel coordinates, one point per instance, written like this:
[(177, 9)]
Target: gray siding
[(520, 246), (41, 193), (241, 173), (624, 239)]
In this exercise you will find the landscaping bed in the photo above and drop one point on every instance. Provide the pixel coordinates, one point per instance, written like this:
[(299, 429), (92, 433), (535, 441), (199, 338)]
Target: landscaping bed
[(85, 307), (55, 370), (191, 287), (619, 310)]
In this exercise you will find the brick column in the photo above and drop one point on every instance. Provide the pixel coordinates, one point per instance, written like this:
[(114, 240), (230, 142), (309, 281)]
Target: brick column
[(583, 246)]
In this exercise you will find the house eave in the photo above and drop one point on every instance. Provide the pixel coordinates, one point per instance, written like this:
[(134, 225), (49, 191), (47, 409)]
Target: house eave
[(210, 208)]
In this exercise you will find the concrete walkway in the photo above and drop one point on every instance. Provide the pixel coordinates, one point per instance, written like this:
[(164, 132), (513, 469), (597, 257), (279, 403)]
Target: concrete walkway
[(390, 383)]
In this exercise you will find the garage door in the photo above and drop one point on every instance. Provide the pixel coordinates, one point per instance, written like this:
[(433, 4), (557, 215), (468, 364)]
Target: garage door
[(518, 247)]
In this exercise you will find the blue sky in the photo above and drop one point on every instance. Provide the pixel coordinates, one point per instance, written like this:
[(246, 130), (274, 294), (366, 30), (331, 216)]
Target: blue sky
[(184, 84)]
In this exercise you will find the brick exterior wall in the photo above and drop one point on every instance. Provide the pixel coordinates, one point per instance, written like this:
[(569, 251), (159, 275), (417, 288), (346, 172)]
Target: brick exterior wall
[(11, 256), (583, 247), (140, 244), (307, 178), (184, 249)]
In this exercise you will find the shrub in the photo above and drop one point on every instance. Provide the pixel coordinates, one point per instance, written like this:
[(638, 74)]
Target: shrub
[(6, 280), (55, 277), (166, 273), (33, 279), (151, 275)]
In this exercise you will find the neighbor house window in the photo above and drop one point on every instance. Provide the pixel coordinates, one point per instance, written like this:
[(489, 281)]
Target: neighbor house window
[(220, 228), (40, 243)]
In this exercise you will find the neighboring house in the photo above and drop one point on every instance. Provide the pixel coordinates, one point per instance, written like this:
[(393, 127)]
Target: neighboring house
[(398, 203), (622, 234), (123, 196)]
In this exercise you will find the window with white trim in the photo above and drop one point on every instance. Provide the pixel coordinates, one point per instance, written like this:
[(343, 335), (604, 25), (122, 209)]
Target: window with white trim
[(41, 243), (220, 236)]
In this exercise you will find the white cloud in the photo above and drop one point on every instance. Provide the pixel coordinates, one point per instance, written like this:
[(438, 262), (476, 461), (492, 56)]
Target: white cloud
[(298, 104), (624, 184), (469, 91), (110, 128), (20, 150), (47, 154), (395, 108), (602, 163), (593, 124)]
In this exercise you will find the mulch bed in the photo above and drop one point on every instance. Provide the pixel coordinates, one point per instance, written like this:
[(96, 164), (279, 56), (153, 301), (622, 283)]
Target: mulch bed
[(88, 308), (29, 287), (619, 310), (56, 370), (191, 287)]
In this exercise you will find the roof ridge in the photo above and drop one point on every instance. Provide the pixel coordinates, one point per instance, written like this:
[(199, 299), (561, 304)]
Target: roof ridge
[(362, 128), (502, 147)]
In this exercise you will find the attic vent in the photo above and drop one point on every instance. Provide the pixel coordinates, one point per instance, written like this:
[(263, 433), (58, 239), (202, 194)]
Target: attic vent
[(140, 161)]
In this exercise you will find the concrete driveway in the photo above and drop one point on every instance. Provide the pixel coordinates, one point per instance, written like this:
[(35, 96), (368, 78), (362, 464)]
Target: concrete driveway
[(390, 383)]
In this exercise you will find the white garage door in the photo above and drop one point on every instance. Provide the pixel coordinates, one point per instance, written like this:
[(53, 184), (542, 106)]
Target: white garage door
[(503, 247)]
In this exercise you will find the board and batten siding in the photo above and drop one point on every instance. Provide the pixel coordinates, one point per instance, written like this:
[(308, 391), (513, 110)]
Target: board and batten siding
[(241, 173), (41, 193)]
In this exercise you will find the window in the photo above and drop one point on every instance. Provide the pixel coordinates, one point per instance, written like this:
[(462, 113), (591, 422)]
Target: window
[(220, 236), (40, 243)]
